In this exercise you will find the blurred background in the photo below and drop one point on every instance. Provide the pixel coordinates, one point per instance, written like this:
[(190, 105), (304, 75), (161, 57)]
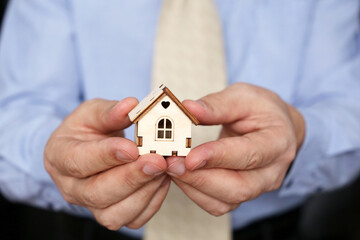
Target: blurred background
[(2, 7), (329, 215)]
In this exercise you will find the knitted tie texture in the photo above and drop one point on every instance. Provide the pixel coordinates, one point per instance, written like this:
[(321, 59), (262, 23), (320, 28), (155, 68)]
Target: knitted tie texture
[(189, 59)]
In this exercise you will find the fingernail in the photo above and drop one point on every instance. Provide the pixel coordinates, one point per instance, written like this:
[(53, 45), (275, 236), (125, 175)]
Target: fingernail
[(124, 156), (177, 168), (199, 165), (200, 102), (152, 169)]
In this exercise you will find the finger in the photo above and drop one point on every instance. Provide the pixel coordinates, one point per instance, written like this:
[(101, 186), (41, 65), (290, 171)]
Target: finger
[(231, 104), (225, 185), (126, 210), (102, 115), (83, 159), (211, 205), (153, 206), (250, 151), (116, 184), (218, 108)]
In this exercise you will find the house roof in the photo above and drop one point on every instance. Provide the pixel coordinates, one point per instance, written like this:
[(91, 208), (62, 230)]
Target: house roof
[(152, 99)]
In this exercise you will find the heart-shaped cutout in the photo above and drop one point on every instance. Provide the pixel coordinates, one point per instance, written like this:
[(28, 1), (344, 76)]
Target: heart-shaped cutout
[(165, 104)]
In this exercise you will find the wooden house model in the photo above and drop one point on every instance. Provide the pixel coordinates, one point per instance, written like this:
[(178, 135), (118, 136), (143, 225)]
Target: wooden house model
[(162, 124)]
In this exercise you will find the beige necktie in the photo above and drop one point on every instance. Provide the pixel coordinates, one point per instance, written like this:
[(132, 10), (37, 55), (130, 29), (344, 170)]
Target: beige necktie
[(189, 59)]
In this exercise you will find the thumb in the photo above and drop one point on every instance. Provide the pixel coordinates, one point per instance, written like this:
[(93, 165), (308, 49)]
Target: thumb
[(104, 115), (218, 108)]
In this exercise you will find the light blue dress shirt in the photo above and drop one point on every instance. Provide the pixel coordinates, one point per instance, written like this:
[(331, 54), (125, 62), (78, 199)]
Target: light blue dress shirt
[(54, 54)]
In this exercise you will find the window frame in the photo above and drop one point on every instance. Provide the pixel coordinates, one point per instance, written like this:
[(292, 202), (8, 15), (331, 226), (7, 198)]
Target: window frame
[(164, 129)]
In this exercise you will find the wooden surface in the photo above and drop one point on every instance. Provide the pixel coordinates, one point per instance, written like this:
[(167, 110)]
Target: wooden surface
[(181, 129)]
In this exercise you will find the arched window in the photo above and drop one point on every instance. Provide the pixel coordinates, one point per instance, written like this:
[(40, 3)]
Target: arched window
[(164, 129)]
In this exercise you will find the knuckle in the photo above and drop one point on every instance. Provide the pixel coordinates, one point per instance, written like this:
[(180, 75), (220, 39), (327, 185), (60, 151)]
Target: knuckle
[(221, 153), (67, 193), (156, 206), (238, 85), (113, 226), (48, 167), (108, 220), (72, 167), (219, 209), (277, 181), (290, 154), (276, 185), (135, 225), (107, 155), (93, 195), (254, 160), (287, 148), (274, 96), (68, 198), (50, 154), (131, 181), (238, 196), (47, 151), (269, 95), (84, 105), (91, 102), (138, 223), (93, 198), (198, 182), (71, 161), (284, 142)]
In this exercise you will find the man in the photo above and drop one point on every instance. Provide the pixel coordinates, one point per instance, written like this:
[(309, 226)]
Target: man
[(57, 55)]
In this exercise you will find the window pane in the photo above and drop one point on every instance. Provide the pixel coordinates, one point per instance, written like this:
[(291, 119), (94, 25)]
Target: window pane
[(168, 134), (168, 123), (161, 124), (160, 134)]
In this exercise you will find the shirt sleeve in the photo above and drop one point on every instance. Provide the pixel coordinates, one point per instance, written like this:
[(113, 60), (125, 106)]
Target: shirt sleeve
[(39, 86), (328, 96)]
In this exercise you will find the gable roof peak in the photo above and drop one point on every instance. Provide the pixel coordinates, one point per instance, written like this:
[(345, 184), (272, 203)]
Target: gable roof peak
[(154, 97)]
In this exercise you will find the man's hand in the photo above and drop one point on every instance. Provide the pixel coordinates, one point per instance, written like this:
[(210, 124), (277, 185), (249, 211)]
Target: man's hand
[(95, 167), (258, 142)]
